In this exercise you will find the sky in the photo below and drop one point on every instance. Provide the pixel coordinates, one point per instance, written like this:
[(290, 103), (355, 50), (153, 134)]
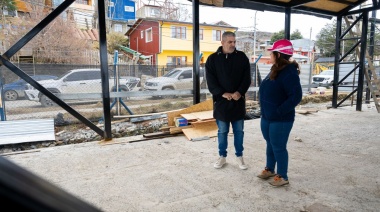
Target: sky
[(265, 21)]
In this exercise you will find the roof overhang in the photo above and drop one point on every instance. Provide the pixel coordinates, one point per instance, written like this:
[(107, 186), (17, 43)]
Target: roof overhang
[(320, 8)]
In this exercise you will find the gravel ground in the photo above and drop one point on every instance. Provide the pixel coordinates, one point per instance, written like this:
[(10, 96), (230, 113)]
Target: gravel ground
[(334, 163)]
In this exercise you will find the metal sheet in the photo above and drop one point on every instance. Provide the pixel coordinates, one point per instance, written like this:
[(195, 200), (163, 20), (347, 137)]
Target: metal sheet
[(21, 131)]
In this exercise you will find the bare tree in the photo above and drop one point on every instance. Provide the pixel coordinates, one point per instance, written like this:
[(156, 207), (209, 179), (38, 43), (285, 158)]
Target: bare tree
[(59, 42)]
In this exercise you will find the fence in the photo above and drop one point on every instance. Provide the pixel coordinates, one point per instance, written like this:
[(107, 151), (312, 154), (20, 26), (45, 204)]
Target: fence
[(89, 100)]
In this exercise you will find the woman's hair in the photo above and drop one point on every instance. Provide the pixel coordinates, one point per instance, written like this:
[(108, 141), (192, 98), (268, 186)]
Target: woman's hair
[(280, 63)]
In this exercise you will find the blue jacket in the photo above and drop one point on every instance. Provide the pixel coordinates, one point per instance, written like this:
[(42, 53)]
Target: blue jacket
[(279, 97), (228, 73)]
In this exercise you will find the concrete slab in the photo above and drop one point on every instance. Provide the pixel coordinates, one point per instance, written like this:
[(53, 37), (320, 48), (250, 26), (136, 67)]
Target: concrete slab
[(334, 163)]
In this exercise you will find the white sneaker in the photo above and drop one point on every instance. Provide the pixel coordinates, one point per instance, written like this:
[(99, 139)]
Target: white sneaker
[(241, 163), (221, 161)]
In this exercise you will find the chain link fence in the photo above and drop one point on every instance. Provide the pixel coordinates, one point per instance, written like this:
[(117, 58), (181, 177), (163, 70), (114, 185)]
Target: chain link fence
[(85, 95)]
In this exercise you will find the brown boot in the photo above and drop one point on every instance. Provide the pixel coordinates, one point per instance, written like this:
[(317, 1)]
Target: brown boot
[(278, 181), (266, 173)]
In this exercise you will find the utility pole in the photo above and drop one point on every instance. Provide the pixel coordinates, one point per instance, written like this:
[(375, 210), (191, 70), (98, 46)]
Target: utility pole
[(311, 64), (254, 38)]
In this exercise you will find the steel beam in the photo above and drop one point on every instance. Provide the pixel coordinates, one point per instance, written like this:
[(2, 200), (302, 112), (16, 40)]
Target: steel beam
[(363, 50), (196, 53), (104, 70)]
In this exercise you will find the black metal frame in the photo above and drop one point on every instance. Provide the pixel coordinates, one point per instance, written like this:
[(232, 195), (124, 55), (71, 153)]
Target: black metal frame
[(106, 134), (295, 6)]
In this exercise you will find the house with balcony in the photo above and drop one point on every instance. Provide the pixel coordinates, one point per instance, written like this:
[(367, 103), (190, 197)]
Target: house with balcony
[(170, 42)]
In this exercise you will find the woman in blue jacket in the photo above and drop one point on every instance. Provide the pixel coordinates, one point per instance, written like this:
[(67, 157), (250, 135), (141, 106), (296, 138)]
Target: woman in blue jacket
[(280, 92)]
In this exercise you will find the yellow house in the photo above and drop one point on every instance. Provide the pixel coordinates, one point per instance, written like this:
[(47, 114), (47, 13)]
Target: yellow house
[(171, 42)]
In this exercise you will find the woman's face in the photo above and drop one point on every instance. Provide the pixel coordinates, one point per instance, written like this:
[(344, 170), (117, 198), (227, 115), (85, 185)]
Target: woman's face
[(272, 58)]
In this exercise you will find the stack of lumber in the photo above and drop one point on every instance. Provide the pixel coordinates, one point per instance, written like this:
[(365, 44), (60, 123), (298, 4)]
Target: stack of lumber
[(201, 123)]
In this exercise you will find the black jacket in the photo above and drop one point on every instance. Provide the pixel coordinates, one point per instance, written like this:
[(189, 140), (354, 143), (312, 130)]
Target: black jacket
[(228, 73)]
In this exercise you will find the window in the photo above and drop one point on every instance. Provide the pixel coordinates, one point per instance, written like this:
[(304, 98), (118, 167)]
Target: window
[(200, 34), (217, 35), (188, 74), (85, 2), (178, 32), (118, 28), (142, 34), (148, 35), (129, 9), (83, 75), (176, 60)]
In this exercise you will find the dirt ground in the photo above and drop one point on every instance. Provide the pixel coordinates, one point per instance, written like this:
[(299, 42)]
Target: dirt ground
[(334, 166)]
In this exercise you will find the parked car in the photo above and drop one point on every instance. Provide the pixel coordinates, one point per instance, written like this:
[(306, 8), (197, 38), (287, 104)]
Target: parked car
[(16, 90), (326, 78), (175, 79), (78, 81)]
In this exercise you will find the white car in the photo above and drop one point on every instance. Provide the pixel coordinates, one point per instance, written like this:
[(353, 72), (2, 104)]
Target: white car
[(175, 79), (324, 78), (77, 81)]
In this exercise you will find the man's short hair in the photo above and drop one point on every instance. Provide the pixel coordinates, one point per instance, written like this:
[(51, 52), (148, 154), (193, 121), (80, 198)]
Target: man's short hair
[(228, 33)]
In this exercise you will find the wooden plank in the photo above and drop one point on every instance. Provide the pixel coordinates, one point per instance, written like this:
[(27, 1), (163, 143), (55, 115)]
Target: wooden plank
[(203, 106), (188, 116), (146, 118), (176, 130), (147, 114), (167, 128), (203, 115), (200, 123), (202, 129), (155, 134)]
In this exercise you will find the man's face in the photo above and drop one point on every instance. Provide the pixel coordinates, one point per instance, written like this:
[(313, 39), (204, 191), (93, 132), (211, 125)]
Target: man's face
[(228, 44)]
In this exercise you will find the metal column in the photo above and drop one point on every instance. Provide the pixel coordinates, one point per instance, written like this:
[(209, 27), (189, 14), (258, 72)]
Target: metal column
[(288, 12), (196, 53), (104, 71)]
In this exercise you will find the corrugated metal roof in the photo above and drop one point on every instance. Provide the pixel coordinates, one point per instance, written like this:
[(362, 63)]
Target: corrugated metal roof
[(21, 131)]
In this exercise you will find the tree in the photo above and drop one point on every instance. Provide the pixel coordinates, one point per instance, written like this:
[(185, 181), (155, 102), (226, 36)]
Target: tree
[(277, 36), (9, 5), (326, 40), (114, 39), (281, 35), (296, 35)]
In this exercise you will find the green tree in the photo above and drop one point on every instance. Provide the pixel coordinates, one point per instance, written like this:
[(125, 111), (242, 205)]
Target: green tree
[(326, 40), (9, 5), (281, 35), (296, 35)]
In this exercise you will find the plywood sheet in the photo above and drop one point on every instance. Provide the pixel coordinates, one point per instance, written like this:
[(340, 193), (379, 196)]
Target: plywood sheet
[(204, 115), (189, 116), (201, 129), (203, 106)]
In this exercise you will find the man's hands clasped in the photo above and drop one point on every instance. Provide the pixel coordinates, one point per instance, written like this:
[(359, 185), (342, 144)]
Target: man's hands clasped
[(232, 96)]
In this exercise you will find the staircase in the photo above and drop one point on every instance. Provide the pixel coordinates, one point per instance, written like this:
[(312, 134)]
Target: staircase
[(371, 77)]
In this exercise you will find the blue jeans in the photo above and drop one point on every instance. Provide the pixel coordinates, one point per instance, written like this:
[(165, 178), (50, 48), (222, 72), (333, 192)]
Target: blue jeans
[(238, 130), (276, 135)]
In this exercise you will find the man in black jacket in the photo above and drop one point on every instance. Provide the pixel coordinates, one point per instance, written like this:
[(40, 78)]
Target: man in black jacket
[(228, 79)]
